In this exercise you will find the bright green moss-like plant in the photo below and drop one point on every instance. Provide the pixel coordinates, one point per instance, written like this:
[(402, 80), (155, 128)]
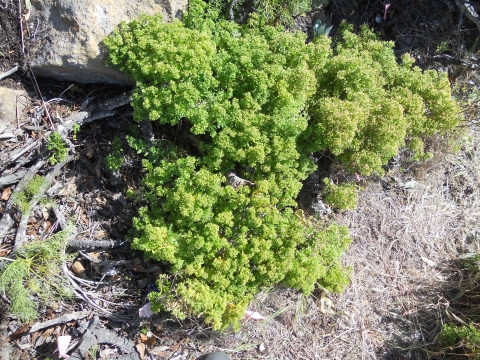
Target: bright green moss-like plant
[(340, 197), (256, 101), (36, 271), (58, 148), (114, 160), (367, 104), (223, 244)]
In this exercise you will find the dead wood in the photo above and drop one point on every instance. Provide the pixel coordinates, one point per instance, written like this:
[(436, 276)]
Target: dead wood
[(104, 262), (469, 11), (12, 178), (60, 218), (59, 320), (95, 244), (30, 144), (20, 239), (88, 340), (93, 336), (237, 181), (94, 112), (6, 222), (147, 132), (8, 73), (6, 136), (448, 59)]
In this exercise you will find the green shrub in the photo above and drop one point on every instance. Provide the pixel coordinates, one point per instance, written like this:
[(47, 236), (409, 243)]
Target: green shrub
[(58, 148), (223, 244), (367, 104), (461, 339), (340, 197), (257, 100)]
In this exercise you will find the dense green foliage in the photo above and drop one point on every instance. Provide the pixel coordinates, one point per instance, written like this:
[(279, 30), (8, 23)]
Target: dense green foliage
[(258, 100), (340, 197), (460, 340), (36, 272), (223, 244), (58, 148), (367, 104)]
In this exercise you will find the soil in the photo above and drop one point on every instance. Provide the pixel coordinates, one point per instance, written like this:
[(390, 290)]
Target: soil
[(408, 230)]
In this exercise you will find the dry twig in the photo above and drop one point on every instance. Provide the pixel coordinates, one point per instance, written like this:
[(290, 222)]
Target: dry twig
[(8, 73)]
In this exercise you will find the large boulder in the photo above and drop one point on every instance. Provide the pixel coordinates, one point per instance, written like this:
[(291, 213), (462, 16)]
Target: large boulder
[(67, 43)]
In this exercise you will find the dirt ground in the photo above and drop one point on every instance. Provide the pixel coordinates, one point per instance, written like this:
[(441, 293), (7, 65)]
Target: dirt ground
[(408, 230)]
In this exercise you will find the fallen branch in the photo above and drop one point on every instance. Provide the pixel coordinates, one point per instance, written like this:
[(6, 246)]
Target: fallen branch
[(8, 73), (88, 340), (104, 336), (237, 181), (95, 244), (93, 112), (12, 178), (104, 262), (59, 320), (6, 222), (28, 147), (20, 239), (448, 59), (467, 8)]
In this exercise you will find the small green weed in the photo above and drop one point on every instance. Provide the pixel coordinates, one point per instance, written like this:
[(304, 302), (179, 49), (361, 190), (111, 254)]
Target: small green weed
[(57, 146), (93, 351), (114, 160), (75, 130), (22, 199), (35, 272), (442, 47)]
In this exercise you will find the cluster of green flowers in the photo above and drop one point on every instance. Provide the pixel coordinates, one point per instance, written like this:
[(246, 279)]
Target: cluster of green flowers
[(259, 100)]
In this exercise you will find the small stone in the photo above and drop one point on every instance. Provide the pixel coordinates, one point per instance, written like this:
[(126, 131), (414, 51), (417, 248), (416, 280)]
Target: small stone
[(261, 347), (78, 268)]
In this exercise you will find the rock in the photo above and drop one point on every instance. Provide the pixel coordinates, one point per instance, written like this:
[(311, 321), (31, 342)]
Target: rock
[(219, 355), (68, 42), (309, 196), (8, 106)]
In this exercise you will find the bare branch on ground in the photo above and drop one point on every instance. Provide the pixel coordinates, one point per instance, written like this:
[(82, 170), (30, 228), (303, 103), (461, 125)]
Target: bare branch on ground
[(12, 178), (59, 320), (8, 73), (7, 222), (21, 238)]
